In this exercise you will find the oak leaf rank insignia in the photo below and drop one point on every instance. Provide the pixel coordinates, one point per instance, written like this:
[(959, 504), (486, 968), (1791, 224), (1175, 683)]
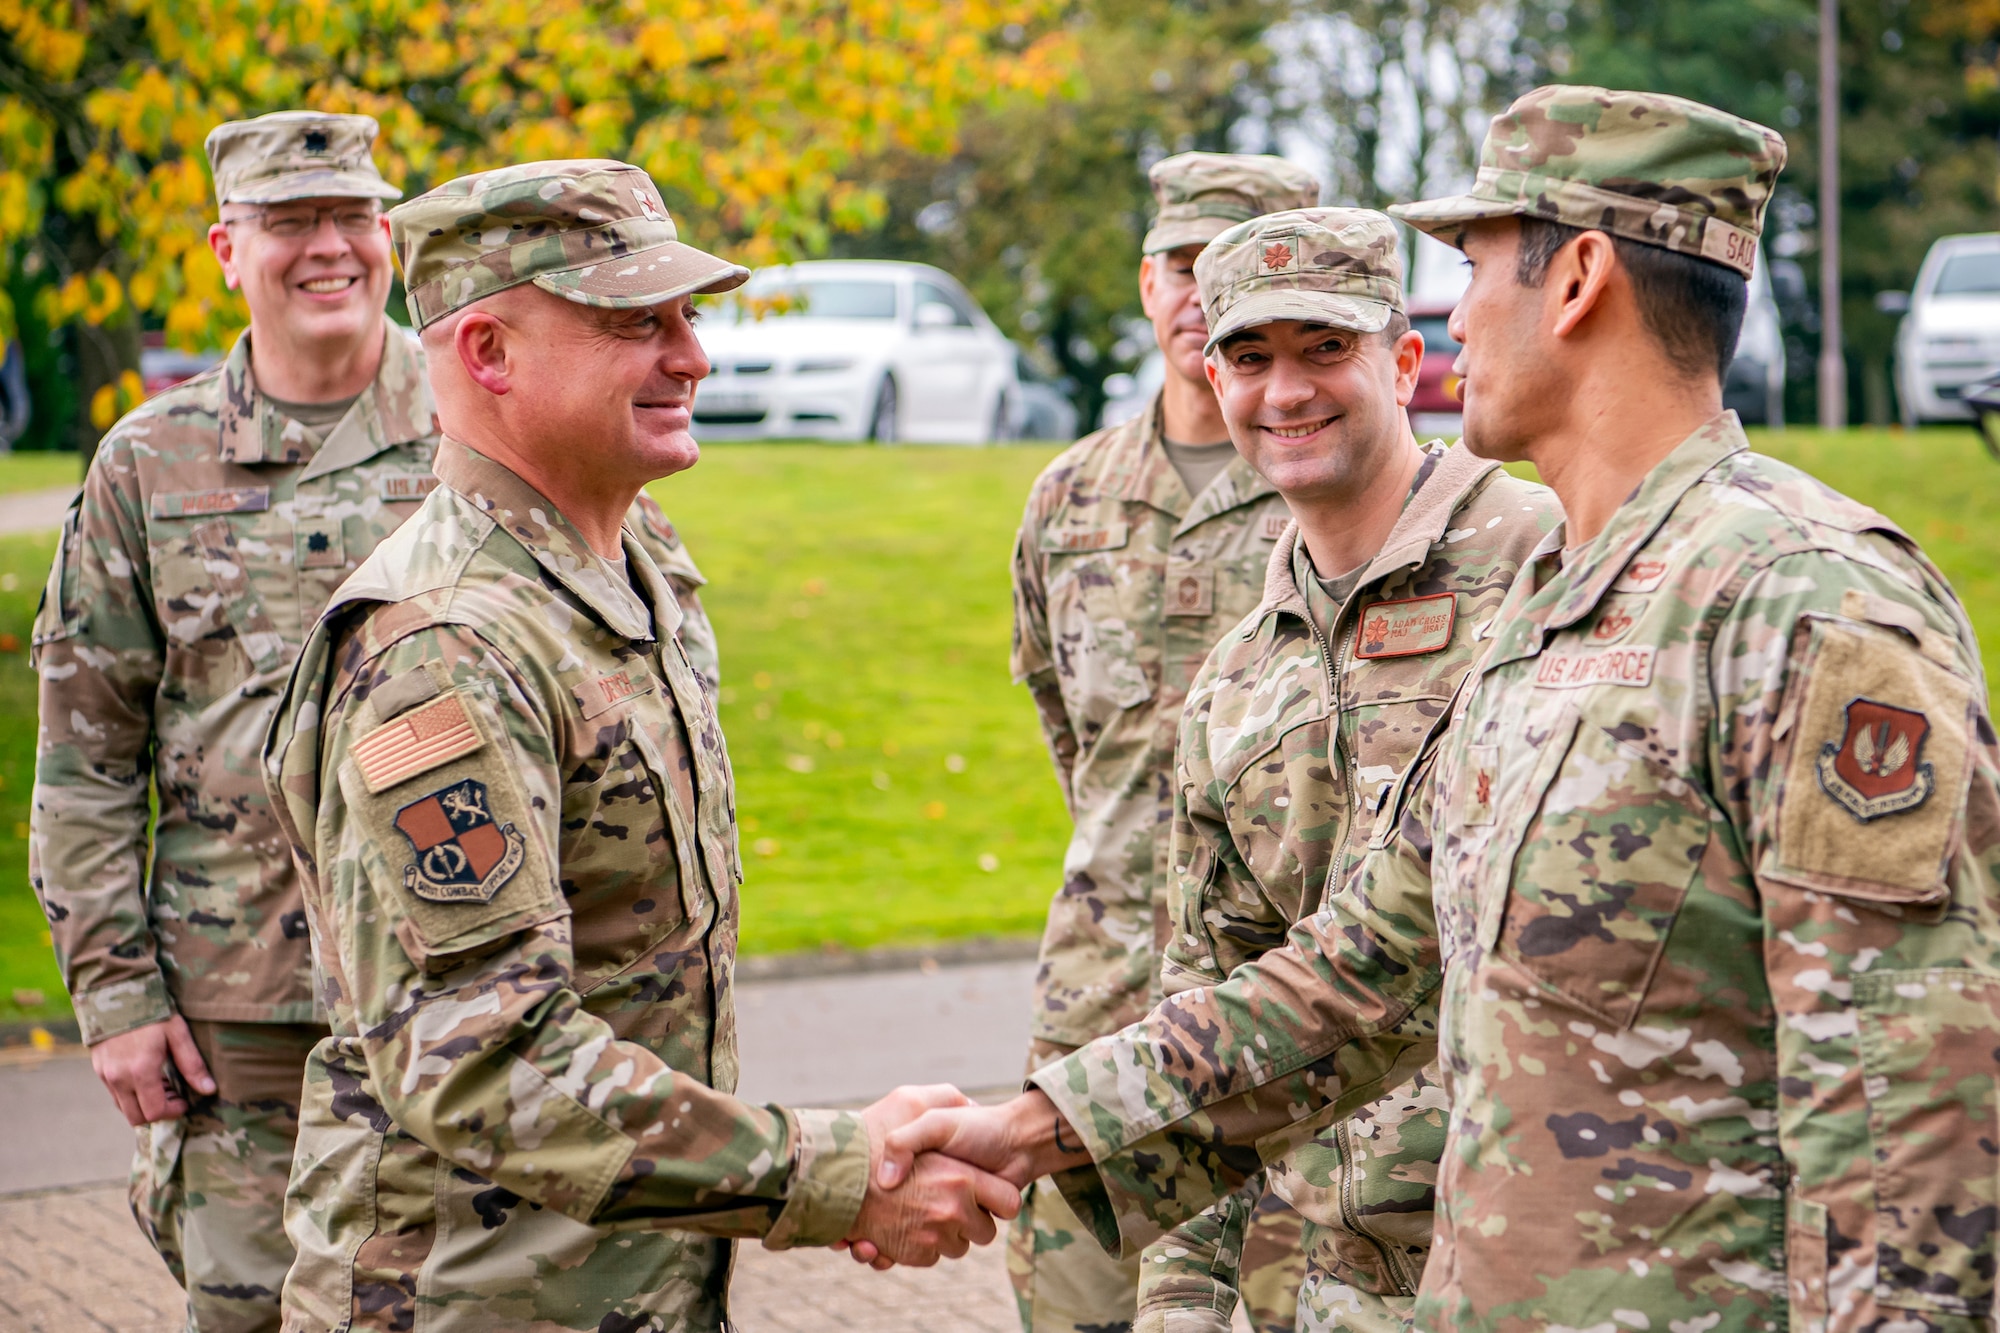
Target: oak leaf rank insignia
[(1874, 769), (462, 854)]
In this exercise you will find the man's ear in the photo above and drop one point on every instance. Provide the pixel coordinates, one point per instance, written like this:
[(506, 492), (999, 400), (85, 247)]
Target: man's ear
[(1212, 365), (1409, 353), (481, 343), (224, 246), (1579, 276), (1149, 277)]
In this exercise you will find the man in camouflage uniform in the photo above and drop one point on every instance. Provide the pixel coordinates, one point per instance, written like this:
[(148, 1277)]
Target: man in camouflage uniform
[(1141, 544), (508, 793), (216, 521), (1306, 714), (1714, 940)]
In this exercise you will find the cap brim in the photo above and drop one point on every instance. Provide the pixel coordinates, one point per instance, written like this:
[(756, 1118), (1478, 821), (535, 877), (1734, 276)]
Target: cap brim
[(327, 184), (1363, 314), (644, 277), (1191, 231), (1444, 218)]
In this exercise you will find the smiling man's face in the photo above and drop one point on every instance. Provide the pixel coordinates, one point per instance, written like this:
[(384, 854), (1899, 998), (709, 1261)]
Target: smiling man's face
[(610, 390), (1316, 410), (329, 285)]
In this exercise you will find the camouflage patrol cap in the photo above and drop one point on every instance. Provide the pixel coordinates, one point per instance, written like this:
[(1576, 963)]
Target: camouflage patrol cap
[(296, 155), (1204, 194), (1342, 267), (1644, 166), (591, 231)]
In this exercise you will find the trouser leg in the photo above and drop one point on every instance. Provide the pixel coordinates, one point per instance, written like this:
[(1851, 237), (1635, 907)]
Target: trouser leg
[(1273, 1265), (1063, 1280), (209, 1190)]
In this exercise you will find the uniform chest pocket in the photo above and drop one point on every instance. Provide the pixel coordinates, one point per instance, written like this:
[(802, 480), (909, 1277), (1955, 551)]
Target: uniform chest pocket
[(1604, 863), (1104, 627), (205, 598)]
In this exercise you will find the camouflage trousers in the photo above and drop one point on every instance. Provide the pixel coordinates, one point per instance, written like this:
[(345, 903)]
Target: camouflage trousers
[(1247, 1250), (209, 1190), (1064, 1282)]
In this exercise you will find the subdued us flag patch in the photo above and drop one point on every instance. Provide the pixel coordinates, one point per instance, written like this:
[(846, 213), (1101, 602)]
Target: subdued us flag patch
[(415, 742)]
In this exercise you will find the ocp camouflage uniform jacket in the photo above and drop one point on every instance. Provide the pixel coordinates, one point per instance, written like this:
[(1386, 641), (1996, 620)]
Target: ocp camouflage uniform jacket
[(512, 805), (1283, 763), (1122, 583), (209, 534), (1714, 946)]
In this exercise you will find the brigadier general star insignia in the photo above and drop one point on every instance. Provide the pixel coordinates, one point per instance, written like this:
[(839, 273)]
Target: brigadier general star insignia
[(462, 855), (1873, 769)]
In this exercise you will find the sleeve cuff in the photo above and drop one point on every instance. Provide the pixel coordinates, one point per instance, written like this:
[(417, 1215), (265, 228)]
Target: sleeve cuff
[(1181, 1321), (829, 1179), (107, 1011)]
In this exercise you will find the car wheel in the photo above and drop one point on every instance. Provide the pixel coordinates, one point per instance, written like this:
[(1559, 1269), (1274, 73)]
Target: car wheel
[(882, 424)]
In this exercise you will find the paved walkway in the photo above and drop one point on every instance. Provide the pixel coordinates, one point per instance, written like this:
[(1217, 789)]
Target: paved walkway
[(34, 511), (71, 1258)]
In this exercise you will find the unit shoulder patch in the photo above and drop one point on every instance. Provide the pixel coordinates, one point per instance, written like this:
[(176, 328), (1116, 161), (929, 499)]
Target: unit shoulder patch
[(461, 853), (416, 742), (1406, 627), (1875, 768)]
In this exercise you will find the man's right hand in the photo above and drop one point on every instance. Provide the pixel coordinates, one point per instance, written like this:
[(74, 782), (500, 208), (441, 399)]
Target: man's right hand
[(134, 1066)]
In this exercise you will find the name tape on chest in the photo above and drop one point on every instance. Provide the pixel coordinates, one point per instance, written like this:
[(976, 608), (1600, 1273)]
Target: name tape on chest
[(1595, 666), (405, 485), (416, 742), (1272, 526), (1407, 627), (1077, 541), (227, 500), (609, 690)]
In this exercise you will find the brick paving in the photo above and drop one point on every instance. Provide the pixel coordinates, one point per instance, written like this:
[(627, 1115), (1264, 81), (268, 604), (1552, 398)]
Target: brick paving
[(73, 1260)]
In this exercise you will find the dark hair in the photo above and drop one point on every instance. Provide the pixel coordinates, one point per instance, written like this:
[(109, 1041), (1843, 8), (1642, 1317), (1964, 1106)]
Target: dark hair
[(1398, 325), (1693, 307)]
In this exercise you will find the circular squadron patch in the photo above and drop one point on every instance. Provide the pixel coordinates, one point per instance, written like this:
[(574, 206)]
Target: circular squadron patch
[(1874, 768), (462, 854)]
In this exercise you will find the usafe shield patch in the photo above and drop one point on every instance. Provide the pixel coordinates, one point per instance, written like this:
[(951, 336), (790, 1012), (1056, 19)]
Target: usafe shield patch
[(1876, 767)]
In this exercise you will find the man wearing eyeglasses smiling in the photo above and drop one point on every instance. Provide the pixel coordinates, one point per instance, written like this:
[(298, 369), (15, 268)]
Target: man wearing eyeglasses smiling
[(217, 520)]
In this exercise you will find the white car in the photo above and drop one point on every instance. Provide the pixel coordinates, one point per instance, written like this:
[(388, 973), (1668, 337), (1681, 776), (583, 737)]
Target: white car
[(1951, 335), (854, 350)]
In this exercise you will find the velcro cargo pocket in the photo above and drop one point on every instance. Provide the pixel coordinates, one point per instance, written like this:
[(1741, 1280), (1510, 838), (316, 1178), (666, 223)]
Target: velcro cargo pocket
[(451, 845), (1930, 1054), (1601, 873), (1874, 782)]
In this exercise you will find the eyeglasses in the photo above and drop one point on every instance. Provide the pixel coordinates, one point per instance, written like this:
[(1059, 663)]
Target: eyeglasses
[(292, 223)]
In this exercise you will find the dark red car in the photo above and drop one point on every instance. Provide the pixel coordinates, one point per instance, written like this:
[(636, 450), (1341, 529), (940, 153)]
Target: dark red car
[(1435, 408)]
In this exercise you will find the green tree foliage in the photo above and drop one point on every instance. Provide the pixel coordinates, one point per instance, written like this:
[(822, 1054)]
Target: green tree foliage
[(1919, 118)]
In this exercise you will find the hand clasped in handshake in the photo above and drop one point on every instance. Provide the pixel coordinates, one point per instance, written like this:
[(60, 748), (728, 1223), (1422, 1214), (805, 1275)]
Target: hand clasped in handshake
[(943, 1168)]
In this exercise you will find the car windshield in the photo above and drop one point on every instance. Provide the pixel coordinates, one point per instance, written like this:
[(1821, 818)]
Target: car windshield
[(1437, 339), (1969, 275), (830, 298)]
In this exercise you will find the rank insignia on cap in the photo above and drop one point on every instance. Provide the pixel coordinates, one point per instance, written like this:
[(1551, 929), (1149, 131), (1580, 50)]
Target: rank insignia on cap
[(1873, 769), (1277, 255), (462, 854), (315, 141)]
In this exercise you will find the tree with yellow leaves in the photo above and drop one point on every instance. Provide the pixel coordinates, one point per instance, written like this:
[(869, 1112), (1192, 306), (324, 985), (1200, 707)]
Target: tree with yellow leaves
[(753, 115)]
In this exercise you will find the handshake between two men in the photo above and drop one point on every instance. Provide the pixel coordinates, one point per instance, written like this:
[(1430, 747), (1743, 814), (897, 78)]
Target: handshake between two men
[(943, 1167)]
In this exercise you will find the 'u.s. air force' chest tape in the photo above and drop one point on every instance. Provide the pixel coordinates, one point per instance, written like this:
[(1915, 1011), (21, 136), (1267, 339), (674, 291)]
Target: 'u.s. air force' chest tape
[(444, 816)]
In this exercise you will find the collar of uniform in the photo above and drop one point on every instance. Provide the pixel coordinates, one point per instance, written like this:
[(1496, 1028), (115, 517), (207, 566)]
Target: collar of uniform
[(1154, 481), (250, 430), (395, 409), (1425, 521), (1575, 592), (667, 614), (528, 517)]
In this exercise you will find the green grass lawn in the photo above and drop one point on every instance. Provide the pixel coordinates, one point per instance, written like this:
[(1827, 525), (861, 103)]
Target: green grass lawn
[(893, 784), (37, 472)]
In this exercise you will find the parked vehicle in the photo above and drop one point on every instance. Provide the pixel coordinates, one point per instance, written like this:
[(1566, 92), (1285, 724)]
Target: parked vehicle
[(854, 350), (162, 367), (1950, 336), (1126, 395), (1042, 411), (1755, 384), (1435, 411)]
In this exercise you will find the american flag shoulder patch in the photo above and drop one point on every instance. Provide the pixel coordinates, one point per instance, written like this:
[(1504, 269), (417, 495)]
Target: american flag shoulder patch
[(416, 742)]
